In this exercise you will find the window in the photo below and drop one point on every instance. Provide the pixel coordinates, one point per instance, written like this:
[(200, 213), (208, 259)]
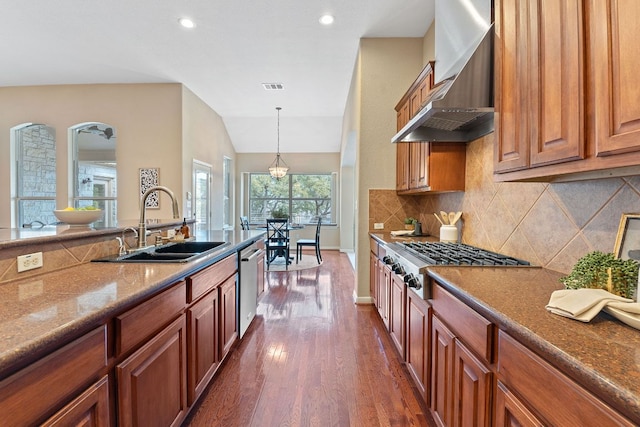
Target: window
[(226, 189), (303, 198), (35, 153)]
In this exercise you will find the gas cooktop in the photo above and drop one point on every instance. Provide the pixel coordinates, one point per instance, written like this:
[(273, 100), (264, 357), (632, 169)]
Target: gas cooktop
[(439, 253)]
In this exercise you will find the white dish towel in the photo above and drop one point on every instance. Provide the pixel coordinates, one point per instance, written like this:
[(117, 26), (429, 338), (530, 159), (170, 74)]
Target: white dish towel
[(585, 304)]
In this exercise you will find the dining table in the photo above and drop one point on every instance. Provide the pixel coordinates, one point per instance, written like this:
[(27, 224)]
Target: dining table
[(290, 226)]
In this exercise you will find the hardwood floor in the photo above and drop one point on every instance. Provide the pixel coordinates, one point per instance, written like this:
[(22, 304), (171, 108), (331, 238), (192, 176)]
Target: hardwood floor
[(312, 358)]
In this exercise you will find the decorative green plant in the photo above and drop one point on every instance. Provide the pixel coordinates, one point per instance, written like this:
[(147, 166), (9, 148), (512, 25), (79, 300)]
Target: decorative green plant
[(280, 213), (409, 220), (600, 270)]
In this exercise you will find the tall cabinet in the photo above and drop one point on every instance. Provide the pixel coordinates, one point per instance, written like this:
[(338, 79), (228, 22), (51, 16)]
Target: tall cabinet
[(565, 91)]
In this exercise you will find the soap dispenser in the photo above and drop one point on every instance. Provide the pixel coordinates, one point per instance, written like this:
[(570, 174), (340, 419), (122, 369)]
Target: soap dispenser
[(185, 228)]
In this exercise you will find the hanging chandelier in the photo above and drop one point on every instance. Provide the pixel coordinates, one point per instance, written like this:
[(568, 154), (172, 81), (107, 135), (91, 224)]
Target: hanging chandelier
[(278, 168)]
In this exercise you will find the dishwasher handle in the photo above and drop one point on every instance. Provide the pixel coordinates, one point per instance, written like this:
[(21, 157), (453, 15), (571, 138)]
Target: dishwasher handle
[(251, 254)]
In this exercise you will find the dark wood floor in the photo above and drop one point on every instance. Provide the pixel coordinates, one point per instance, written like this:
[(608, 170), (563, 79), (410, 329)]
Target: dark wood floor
[(312, 358)]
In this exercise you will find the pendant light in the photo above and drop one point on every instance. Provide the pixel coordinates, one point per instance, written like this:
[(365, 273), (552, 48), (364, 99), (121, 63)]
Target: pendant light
[(278, 168)]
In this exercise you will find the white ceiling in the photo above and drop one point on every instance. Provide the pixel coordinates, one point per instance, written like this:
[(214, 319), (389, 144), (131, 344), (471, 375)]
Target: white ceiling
[(236, 46)]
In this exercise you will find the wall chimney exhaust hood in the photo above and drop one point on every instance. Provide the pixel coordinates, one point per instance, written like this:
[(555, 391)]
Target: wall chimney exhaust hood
[(459, 107)]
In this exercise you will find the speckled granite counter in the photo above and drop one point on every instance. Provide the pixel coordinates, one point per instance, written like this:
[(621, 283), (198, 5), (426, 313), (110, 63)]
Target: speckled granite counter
[(40, 313), (602, 355)]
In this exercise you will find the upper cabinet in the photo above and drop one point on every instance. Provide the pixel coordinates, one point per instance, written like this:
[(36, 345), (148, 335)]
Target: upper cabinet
[(426, 166), (565, 100)]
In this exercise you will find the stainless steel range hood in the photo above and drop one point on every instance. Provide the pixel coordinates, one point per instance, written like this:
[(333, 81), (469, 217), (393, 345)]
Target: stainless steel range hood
[(460, 107)]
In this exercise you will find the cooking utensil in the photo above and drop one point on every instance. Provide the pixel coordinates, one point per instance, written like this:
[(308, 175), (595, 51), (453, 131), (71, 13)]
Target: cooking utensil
[(456, 217), (451, 216), (445, 217), (438, 218)]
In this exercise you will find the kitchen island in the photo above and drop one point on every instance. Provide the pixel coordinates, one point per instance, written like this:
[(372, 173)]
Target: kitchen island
[(103, 306), (492, 322)]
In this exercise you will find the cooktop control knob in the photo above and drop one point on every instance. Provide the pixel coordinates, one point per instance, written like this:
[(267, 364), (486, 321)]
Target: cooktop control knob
[(387, 259), (412, 281), (398, 269)]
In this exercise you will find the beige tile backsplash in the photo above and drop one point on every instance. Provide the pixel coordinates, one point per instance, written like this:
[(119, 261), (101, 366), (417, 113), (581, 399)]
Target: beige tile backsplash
[(552, 225)]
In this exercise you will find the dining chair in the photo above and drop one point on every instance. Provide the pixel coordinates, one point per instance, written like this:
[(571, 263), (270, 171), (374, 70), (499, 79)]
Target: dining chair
[(244, 223), (310, 242), (277, 243)]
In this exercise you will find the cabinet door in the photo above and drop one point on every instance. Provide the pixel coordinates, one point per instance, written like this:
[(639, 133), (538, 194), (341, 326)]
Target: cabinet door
[(471, 389), (614, 65), (91, 408), (511, 80), (397, 312), (373, 276), (204, 339), (152, 382), (556, 82), (510, 412), (419, 165), (402, 165), (441, 373), (228, 315), (384, 285), (417, 345)]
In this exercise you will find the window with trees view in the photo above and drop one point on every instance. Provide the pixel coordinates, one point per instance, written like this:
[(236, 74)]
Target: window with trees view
[(302, 198)]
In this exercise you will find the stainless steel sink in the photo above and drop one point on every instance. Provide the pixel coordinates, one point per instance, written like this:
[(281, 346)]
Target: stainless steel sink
[(172, 252)]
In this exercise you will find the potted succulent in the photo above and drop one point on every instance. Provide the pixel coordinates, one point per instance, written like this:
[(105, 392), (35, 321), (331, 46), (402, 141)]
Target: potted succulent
[(604, 271), (409, 223)]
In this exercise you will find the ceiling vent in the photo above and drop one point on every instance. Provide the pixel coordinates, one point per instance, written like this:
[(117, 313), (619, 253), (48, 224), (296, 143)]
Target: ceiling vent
[(273, 86)]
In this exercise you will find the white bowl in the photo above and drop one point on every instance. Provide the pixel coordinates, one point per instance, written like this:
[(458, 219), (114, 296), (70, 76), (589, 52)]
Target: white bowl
[(78, 218)]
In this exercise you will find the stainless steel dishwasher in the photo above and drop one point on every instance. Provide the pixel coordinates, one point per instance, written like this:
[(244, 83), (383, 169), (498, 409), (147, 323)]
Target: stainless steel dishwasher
[(248, 285)]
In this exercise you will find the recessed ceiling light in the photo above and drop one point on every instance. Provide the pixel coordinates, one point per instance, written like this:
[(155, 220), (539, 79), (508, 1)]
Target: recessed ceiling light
[(187, 23), (326, 19)]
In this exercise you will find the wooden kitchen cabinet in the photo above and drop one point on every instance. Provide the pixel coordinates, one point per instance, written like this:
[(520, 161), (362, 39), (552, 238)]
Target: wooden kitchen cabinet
[(397, 314), (418, 345), (510, 411), (462, 349), (228, 315), (203, 325), (373, 276), (383, 293), (547, 394), (65, 375), (91, 408), (566, 97), (152, 382)]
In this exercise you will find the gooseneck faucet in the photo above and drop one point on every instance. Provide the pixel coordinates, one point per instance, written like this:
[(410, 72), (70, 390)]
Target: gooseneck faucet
[(142, 226)]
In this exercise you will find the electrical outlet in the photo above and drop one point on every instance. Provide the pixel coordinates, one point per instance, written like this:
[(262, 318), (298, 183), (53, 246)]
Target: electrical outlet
[(378, 225), (29, 261)]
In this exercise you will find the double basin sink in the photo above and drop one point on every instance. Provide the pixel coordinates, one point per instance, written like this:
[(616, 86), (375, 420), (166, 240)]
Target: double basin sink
[(172, 252)]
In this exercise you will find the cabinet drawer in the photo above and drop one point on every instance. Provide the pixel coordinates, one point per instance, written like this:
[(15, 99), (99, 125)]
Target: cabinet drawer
[(137, 324), (37, 391), (203, 281), (476, 332), (539, 386), (373, 244)]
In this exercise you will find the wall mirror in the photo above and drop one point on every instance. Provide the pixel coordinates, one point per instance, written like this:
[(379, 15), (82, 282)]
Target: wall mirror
[(93, 169)]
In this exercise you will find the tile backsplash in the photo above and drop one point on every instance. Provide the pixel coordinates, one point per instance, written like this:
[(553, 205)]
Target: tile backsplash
[(551, 225)]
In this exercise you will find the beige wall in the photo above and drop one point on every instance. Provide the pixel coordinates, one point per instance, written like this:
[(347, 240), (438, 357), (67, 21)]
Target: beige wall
[(298, 163), (551, 225), (429, 45), (158, 125), (386, 69), (206, 140)]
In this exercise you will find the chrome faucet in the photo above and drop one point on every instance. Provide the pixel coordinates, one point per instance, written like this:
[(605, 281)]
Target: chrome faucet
[(142, 226)]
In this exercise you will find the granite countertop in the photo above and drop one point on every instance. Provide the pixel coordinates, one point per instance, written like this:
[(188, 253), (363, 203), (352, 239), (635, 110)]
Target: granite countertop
[(40, 313), (602, 355)]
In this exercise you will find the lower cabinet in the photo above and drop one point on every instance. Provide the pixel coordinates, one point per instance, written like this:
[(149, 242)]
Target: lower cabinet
[(384, 292), (397, 315), (511, 412), (544, 393), (34, 394), (441, 373), (91, 408), (152, 382), (228, 315), (417, 350), (472, 384), (204, 356)]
